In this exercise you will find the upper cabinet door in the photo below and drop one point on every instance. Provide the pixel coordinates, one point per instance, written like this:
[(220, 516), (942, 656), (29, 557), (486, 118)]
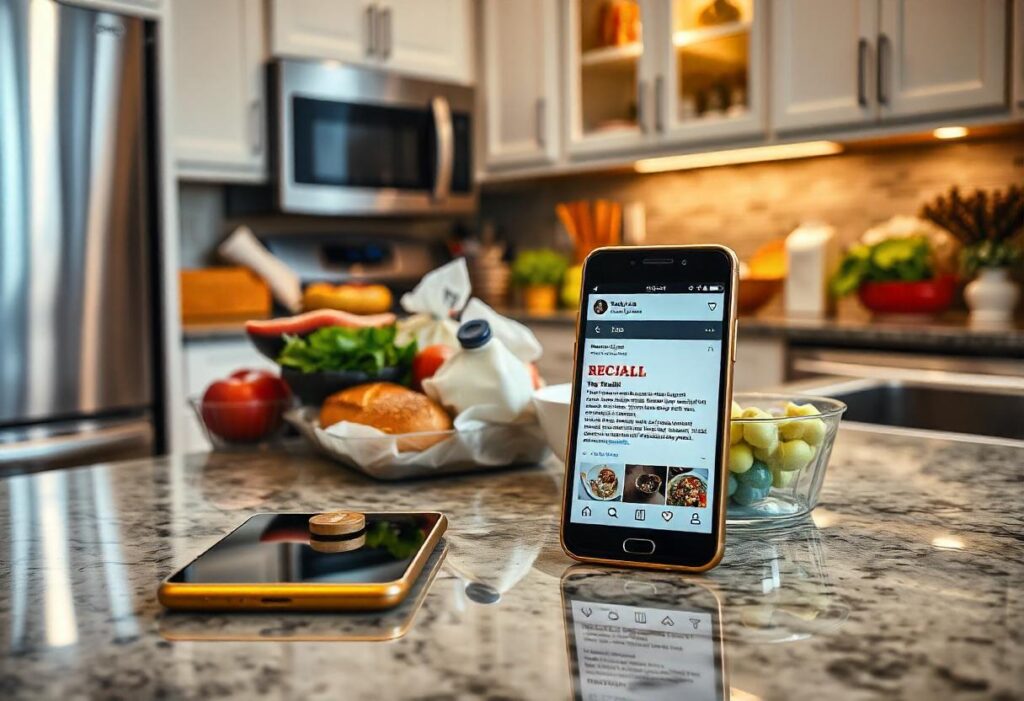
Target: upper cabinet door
[(340, 30), (942, 56), (521, 95), (710, 80), (610, 55), (219, 111), (426, 38), (823, 63)]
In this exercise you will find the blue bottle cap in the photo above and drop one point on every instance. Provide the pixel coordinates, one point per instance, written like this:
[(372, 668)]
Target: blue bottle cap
[(474, 334)]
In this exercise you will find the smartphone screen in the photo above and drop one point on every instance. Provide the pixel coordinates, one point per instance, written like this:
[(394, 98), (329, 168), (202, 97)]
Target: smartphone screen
[(635, 646), (651, 375), (276, 549)]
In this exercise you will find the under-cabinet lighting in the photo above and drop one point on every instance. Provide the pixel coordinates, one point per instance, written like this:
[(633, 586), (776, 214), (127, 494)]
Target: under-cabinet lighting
[(757, 154), (948, 542), (950, 132)]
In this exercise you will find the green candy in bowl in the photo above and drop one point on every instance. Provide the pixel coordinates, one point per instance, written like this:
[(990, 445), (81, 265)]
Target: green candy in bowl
[(779, 449)]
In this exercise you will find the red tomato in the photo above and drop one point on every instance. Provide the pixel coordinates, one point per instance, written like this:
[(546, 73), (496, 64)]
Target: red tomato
[(245, 407), (427, 361)]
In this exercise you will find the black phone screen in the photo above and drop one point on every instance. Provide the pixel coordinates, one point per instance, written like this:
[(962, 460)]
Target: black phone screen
[(276, 549)]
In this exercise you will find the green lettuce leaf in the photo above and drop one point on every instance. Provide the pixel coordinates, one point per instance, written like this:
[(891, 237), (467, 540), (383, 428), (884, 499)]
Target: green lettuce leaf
[(335, 348)]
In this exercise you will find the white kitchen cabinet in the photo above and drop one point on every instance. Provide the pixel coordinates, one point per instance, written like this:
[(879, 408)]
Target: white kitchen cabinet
[(427, 38), (144, 8), (823, 66), (207, 360), (939, 56), (219, 106), (710, 77), (431, 38), (861, 62), (520, 43), (340, 30)]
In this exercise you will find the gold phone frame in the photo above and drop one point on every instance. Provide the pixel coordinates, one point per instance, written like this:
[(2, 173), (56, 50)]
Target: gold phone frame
[(722, 467), (375, 596)]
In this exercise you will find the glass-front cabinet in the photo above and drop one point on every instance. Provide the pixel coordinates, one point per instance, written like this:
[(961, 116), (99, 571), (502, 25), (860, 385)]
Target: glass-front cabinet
[(710, 84), (611, 69), (643, 73)]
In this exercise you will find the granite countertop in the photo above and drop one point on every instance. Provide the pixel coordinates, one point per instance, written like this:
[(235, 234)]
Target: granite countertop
[(907, 583)]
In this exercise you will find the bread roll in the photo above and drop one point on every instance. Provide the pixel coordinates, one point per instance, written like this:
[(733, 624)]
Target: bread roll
[(389, 408)]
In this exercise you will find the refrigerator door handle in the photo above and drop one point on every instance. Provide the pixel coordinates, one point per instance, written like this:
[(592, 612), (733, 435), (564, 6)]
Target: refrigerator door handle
[(69, 446)]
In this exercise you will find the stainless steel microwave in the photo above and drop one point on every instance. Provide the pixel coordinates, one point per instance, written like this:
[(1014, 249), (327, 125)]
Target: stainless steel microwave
[(354, 141)]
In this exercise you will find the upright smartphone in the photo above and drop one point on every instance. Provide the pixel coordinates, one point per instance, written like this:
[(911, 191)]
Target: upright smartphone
[(271, 562), (648, 439), (632, 635)]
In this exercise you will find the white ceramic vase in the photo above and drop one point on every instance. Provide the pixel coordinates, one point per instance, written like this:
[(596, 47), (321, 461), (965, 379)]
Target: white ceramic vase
[(992, 296)]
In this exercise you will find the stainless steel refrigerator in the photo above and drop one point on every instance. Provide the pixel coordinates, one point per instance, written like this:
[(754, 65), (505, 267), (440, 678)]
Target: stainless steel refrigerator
[(77, 237)]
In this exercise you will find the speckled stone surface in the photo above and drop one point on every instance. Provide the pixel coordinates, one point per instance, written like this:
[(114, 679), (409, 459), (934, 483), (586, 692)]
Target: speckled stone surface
[(908, 583)]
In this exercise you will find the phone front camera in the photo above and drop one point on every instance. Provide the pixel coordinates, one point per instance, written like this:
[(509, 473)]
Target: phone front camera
[(682, 262)]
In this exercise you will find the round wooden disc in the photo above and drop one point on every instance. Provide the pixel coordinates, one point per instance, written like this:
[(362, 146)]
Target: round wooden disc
[(338, 546), (337, 523)]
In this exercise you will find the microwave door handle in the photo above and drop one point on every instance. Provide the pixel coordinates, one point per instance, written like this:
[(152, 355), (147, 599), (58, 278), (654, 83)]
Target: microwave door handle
[(445, 147)]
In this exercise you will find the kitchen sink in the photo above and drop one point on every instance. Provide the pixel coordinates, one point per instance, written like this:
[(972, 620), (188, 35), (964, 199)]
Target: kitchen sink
[(984, 411)]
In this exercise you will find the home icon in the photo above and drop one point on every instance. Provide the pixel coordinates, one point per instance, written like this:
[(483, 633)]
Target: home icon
[(587, 511)]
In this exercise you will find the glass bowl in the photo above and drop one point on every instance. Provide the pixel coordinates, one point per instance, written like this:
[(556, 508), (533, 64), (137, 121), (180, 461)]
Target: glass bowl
[(779, 449), (245, 424)]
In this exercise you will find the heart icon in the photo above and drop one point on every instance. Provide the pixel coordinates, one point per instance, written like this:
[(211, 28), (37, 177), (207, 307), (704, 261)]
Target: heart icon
[(586, 611), (667, 515)]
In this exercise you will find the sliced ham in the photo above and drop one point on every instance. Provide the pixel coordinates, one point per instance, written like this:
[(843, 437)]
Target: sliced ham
[(311, 321)]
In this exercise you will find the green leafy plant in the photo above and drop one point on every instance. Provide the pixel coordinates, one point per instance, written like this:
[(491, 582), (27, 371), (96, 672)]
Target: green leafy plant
[(987, 224), (541, 266), (334, 348), (897, 259)]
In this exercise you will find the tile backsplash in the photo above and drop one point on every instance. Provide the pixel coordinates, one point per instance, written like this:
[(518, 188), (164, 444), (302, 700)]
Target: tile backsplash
[(746, 206)]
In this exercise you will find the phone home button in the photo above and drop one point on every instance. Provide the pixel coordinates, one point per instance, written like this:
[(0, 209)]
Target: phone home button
[(638, 546)]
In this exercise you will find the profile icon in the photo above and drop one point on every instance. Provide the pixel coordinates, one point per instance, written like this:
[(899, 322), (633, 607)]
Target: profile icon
[(600, 306)]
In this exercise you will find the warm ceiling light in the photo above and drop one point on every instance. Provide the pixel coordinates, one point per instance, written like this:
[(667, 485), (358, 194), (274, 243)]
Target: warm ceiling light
[(757, 154), (950, 132)]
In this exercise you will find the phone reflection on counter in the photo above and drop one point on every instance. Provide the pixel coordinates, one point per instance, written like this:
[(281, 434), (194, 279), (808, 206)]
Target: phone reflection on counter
[(635, 635)]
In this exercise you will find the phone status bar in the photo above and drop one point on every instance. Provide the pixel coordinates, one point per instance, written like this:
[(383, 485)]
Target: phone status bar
[(655, 288)]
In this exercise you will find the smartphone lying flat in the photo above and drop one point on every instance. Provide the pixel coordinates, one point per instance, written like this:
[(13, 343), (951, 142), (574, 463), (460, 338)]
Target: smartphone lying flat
[(270, 562), (645, 478), (633, 636)]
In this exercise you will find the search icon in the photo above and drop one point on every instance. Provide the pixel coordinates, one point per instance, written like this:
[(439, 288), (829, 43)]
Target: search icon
[(613, 512)]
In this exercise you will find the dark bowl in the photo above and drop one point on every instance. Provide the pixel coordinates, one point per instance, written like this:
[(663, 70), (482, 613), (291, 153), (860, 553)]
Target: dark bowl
[(312, 388)]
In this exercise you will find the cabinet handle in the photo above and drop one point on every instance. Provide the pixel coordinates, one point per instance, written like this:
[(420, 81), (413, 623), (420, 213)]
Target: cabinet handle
[(659, 88), (540, 109), (884, 56), (385, 33), (862, 58), (641, 93), (371, 30), (255, 127)]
